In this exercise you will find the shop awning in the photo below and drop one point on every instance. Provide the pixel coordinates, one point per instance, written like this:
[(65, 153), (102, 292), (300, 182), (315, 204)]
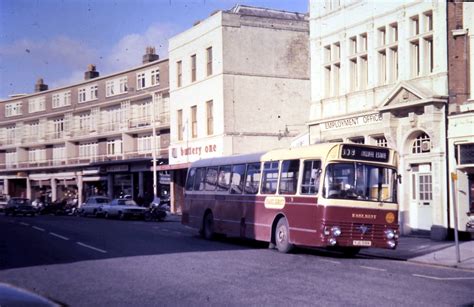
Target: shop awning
[(167, 167)]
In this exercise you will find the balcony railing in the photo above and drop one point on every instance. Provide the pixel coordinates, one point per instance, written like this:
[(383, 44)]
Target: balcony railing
[(132, 124), (77, 161)]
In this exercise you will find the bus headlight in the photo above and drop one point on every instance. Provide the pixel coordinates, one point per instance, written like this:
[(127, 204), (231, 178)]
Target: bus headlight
[(332, 241), (336, 231), (389, 234)]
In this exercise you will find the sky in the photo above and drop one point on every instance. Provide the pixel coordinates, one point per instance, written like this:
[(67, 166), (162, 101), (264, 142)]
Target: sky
[(57, 39)]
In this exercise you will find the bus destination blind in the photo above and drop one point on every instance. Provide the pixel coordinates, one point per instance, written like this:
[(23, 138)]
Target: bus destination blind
[(365, 154)]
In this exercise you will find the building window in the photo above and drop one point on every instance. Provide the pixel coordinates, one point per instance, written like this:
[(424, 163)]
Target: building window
[(210, 117), (209, 60), (84, 122), (123, 84), (393, 33), (109, 88), (382, 36), (61, 99), (359, 71), (58, 128), (114, 147), (194, 132), (332, 65), (381, 141), (155, 77), (141, 81), (144, 143), (37, 155), (422, 63), (193, 68), (11, 158), (11, 132), (88, 93), (88, 150), (358, 140), (59, 154), (180, 125), (422, 144), (13, 109), (179, 70), (37, 104), (415, 58)]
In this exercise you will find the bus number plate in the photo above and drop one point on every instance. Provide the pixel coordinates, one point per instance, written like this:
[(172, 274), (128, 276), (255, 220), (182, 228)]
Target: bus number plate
[(361, 243)]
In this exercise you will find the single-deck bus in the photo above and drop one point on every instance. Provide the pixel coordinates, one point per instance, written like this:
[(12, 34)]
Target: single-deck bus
[(326, 195)]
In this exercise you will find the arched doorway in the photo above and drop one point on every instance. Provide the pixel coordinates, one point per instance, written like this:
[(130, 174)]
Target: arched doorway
[(420, 174)]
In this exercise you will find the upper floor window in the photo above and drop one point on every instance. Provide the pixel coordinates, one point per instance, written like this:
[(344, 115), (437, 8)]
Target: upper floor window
[(194, 128), (144, 143), (358, 62), (13, 109), (155, 77), (422, 61), (116, 86), (209, 61), (88, 93), (180, 125), (61, 99), (141, 81), (381, 141), (36, 104), (179, 73), (210, 117), (88, 150), (37, 155), (193, 68), (114, 147), (332, 66)]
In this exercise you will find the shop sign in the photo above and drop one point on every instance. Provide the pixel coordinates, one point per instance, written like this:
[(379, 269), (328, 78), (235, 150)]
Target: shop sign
[(350, 122), (116, 168), (466, 154), (193, 152)]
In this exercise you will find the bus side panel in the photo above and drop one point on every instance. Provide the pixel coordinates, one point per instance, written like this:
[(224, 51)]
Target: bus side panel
[(302, 214)]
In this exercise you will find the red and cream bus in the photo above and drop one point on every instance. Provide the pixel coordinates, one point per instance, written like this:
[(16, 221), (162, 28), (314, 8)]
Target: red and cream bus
[(326, 195)]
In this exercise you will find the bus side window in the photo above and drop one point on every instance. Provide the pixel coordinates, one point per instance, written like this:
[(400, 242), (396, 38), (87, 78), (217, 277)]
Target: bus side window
[(311, 176), (237, 179), (190, 180), (270, 177), (289, 176), (223, 179), (252, 178), (199, 179), (211, 179)]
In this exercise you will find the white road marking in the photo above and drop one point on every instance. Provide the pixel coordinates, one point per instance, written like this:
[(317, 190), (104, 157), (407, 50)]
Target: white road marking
[(38, 228), (92, 247), (59, 236), (24, 224), (443, 278), (373, 268), (331, 261)]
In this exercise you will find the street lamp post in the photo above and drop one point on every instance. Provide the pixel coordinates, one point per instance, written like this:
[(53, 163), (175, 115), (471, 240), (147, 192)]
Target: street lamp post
[(153, 152)]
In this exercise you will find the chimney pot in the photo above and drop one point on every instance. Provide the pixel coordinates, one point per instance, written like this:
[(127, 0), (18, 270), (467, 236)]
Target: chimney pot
[(40, 86), (150, 55), (91, 72)]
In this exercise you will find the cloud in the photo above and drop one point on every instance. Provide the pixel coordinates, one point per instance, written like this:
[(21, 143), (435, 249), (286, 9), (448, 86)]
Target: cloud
[(60, 50), (128, 51)]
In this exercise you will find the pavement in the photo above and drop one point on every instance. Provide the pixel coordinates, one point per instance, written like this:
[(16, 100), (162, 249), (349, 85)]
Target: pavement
[(418, 249)]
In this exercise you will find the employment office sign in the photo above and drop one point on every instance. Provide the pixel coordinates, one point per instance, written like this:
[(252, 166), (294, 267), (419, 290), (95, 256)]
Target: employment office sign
[(351, 122)]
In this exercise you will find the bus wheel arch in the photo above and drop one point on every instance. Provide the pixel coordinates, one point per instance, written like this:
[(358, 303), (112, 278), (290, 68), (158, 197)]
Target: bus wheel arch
[(208, 228), (280, 236)]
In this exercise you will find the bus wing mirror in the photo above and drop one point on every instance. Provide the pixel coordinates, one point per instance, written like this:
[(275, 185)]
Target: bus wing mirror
[(399, 178)]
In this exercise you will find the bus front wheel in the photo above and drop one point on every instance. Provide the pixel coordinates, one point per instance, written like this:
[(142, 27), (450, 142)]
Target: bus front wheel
[(282, 238), (208, 226)]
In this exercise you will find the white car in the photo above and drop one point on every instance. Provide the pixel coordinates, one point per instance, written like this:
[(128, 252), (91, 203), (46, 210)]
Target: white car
[(93, 206), (123, 208)]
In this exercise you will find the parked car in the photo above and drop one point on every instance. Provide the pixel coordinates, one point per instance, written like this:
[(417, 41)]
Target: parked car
[(123, 208), (19, 205), (3, 202), (470, 222), (93, 206)]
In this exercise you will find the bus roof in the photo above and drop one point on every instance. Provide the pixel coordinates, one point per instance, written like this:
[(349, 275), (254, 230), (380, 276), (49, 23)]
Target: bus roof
[(303, 152)]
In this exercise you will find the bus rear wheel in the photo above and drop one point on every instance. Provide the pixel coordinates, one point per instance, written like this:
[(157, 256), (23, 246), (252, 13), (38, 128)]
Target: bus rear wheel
[(208, 226), (282, 238)]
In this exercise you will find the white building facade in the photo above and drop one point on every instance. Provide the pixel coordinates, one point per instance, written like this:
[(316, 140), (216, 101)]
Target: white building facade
[(379, 75), (239, 83)]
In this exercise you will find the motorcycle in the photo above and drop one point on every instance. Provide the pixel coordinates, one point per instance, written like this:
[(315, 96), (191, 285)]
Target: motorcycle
[(158, 210)]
